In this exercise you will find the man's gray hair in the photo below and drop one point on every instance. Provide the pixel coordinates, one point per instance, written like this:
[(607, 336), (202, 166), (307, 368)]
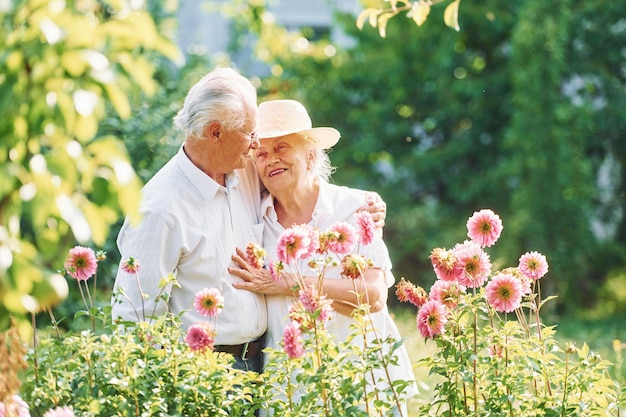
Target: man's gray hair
[(223, 95)]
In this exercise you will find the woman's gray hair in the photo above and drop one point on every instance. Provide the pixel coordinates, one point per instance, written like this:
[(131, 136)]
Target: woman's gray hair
[(322, 167), (223, 95)]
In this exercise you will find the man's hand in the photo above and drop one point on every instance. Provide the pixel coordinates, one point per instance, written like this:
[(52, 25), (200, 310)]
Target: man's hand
[(377, 208)]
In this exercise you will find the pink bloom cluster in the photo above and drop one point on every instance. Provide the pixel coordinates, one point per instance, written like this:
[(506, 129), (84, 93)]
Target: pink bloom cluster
[(255, 255), (407, 291), (366, 226), (200, 337), (60, 412), (15, 406), (81, 263), (354, 265), (292, 340), (484, 227), (467, 265), (303, 243), (131, 265), (208, 302)]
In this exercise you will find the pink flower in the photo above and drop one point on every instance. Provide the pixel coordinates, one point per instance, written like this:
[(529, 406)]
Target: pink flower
[(314, 304), (208, 302), (475, 264), (200, 337), (354, 265), (447, 293), (342, 239), (81, 263), (366, 227), (255, 255), (445, 264), (407, 291), (131, 265), (294, 244), (431, 319), (275, 270), (533, 265), (504, 292), (484, 227), (292, 341), (517, 274), (16, 406), (60, 412)]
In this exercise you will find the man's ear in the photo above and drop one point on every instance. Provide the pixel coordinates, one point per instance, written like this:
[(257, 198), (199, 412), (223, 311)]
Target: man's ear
[(212, 130)]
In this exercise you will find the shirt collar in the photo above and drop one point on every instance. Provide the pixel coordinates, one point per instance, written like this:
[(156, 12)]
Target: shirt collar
[(205, 185)]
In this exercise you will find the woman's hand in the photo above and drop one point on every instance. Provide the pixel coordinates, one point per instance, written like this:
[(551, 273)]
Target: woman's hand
[(256, 280)]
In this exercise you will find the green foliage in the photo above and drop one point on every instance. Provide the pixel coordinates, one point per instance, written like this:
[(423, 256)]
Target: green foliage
[(517, 111), (63, 66), (489, 363), (143, 370)]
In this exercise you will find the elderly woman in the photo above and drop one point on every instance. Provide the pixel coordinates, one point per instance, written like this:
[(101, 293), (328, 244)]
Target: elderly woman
[(294, 168), (292, 163)]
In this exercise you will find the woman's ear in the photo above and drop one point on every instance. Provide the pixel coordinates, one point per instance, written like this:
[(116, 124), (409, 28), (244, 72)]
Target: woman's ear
[(311, 155)]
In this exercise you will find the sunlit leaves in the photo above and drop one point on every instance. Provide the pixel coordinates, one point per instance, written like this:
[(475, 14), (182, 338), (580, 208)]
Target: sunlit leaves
[(62, 65), (451, 15), (418, 10)]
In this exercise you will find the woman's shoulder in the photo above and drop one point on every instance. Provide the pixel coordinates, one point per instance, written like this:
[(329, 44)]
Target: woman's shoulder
[(344, 193)]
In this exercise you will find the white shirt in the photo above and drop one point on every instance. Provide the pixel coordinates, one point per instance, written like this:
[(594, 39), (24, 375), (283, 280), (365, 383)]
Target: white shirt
[(190, 227), (334, 204)]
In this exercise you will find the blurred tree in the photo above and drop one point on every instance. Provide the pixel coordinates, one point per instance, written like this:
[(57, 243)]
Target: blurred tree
[(63, 65), (517, 112)]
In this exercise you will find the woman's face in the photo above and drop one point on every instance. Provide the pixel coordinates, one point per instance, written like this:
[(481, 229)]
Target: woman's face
[(283, 162)]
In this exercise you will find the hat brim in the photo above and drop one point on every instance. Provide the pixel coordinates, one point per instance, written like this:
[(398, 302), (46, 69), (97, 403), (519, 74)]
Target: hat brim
[(323, 137)]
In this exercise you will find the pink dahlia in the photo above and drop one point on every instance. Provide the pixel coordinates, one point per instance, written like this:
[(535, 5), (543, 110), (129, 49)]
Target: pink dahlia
[(517, 274), (275, 270), (131, 265), (15, 406), (484, 227), (354, 265), (342, 239), (407, 291), (314, 304), (81, 263), (475, 264), (366, 226), (504, 292), (255, 255), (60, 412), (431, 319), (208, 302), (445, 264), (533, 265), (294, 244), (200, 337), (292, 340), (447, 293)]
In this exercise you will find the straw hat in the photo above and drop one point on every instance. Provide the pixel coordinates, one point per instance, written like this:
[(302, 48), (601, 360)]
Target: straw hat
[(285, 117)]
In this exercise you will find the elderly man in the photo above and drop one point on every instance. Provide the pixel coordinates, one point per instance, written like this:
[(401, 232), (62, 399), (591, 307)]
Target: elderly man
[(196, 210)]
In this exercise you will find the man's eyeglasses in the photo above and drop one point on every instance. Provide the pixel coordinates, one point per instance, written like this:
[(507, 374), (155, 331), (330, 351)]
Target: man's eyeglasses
[(250, 136)]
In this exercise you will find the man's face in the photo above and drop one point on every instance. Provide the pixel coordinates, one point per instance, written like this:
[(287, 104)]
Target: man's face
[(238, 143)]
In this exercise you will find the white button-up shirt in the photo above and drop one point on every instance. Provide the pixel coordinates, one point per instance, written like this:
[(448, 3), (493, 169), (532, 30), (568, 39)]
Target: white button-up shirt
[(190, 227)]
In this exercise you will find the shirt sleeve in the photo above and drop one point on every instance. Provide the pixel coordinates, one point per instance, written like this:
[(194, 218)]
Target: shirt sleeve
[(155, 244)]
